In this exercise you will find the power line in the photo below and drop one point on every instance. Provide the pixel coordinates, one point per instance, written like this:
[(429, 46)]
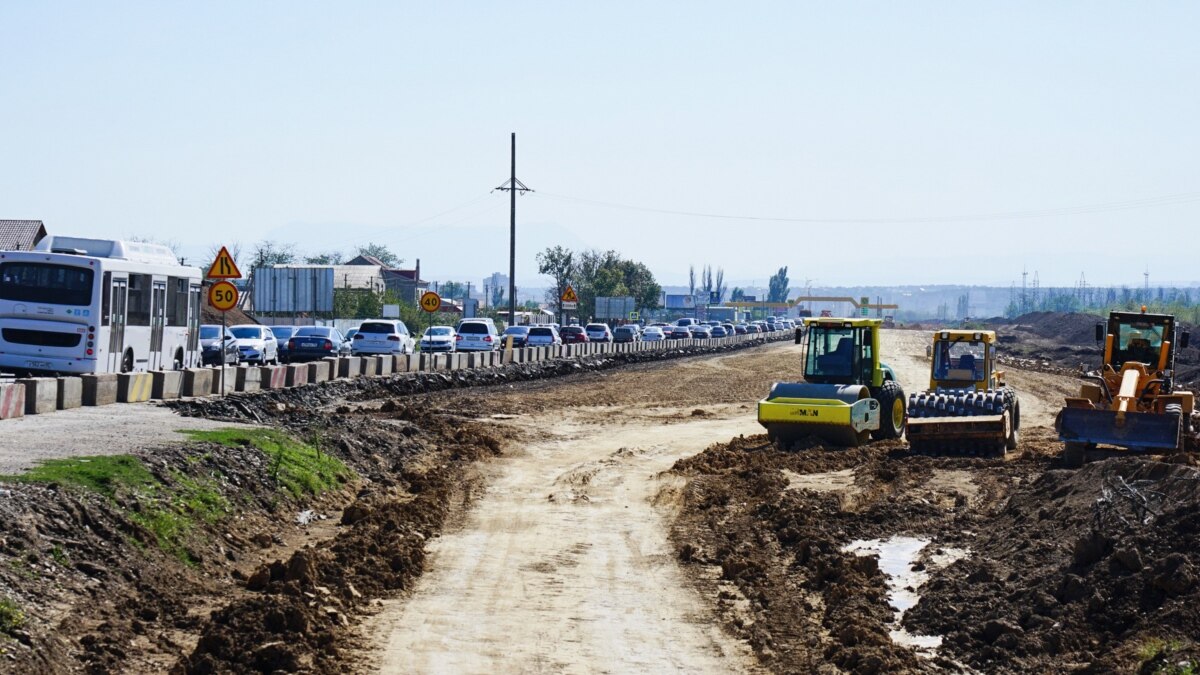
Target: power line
[(1149, 202)]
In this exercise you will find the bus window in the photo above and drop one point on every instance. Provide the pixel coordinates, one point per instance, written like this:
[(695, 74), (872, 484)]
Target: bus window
[(139, 300), (46, 282), (105, 298), (177, 301)]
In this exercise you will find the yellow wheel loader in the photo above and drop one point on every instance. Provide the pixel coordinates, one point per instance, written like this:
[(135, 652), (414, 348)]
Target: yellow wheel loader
[(1131, 402), (847, 396), (968, 409)]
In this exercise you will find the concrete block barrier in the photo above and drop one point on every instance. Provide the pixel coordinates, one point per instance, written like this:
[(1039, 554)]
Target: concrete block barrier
[(166, 384), (370, 366), (247, 379), (230, 379), (272, 377), (387, 364), (41, 394), (197, 382), (12, 401), (295, 374), (134, 387), (98, 389), (318, 371), (349, 366), (70, 393)]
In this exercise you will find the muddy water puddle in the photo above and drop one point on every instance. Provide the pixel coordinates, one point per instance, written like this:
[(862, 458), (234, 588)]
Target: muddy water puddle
[(898, 560)]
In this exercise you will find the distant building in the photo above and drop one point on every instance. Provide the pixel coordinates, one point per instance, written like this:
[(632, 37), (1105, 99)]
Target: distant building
[(494, 286), (20, 235), (406, 284)]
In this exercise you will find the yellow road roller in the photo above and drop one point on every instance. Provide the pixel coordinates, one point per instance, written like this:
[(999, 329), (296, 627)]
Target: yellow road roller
[(847, 397)]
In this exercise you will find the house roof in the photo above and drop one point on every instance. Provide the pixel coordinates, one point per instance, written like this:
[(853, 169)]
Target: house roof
[(366, 260), (20, 234)]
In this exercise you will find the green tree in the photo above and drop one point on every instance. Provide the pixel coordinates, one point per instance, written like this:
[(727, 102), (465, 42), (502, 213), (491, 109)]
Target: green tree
[(737, 294), (268, 253), (559, 264), (453, 290), (327, 258), (778, 286), (382, 252), (719, 286)]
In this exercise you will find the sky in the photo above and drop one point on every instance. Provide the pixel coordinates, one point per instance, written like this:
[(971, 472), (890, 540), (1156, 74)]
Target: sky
[(853, 142)]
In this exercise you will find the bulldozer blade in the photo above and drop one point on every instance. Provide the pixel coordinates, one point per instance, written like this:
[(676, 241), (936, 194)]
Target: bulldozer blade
[(970, 431), (1141, 431)]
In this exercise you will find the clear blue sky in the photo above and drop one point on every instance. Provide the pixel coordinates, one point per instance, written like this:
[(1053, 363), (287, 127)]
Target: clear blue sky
[(329, 124)]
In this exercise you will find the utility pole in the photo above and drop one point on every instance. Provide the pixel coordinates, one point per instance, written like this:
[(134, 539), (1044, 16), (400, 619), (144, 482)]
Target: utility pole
[(513, 186)]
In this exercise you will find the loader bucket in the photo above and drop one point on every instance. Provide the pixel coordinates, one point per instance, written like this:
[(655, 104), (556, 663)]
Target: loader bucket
[(956, 434), (841, 414), (1141, 431)]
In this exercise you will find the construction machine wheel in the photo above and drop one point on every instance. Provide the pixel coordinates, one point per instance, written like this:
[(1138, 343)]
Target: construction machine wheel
[(1014, 410), (893, 412), (1074, 454)]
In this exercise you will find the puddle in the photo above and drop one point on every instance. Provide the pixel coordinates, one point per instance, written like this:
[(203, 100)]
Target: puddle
[(830, 481), (896, 558)]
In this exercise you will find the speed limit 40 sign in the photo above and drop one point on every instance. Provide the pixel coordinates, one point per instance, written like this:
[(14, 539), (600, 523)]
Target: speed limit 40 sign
[(223, 296), (430, 301)]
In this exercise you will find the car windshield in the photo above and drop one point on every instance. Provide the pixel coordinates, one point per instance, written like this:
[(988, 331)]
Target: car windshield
[(624, 330), (597, 327), (282, 332), (210, 332), (247, 332), (959, 360), (572, 330), (311, 331), (516, 330), (474, 328), (438, 330), (378, 327), (541, 332)]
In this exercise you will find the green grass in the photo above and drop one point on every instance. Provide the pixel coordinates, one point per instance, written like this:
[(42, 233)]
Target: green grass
[(298, 467), (104, 474), (11, 616), (1157, 649)]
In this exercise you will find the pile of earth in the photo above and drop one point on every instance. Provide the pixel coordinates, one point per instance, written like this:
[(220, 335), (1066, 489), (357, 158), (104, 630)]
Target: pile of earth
[(782, 579), (1097, 568), (299, 615)]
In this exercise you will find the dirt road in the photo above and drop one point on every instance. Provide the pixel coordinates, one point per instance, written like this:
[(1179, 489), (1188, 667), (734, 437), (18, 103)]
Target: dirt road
[(565, 565)]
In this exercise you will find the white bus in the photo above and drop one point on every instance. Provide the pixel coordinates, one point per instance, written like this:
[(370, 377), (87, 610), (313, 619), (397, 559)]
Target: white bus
[(74, 305)]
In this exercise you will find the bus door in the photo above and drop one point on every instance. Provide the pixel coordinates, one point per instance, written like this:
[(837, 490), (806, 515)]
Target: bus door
[(158, 317), (115, 318)]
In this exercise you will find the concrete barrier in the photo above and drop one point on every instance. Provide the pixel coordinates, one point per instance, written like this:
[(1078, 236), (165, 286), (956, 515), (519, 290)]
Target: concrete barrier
[(349, 366), (296, 374), (370, 366), (134, 387), (166, 384), (12, 401), (197, 382), (98, 389), (41, 394), (70, 393), (330, 366), (272, 377), (387, 364), (247, 379), (318, 371), (230, 379)]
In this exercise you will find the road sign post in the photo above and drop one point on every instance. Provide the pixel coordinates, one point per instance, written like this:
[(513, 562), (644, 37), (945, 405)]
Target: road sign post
[(569, 300), (431, 302), (223, 296)]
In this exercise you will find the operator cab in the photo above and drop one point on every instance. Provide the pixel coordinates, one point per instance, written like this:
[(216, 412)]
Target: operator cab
[(838, 353), (1140, 338), (960, 361)]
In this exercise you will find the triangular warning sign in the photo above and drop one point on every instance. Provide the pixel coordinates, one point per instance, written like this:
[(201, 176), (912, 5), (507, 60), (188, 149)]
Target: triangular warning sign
[(224, 267), (569, 295)]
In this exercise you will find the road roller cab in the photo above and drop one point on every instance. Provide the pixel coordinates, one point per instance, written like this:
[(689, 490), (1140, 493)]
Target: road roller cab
[(847, 395)]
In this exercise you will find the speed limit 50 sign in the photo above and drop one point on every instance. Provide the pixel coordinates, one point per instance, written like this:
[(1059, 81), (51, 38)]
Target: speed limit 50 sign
[(223, 296)]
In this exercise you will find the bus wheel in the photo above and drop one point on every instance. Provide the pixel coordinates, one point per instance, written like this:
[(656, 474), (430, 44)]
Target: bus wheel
[(127, 362)]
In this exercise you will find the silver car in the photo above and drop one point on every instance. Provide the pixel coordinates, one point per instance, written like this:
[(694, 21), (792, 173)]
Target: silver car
[(478, 335), (439, 339), (382, 336), (256, 344)]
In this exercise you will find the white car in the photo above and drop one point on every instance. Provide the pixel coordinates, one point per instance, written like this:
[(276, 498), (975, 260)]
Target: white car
[(382, 336), (256, 344), (599, 332), (542, 336), (477, 335), (439, 339), (653, 334)]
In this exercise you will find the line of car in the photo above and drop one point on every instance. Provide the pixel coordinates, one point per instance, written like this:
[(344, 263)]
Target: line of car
[(278, 344)]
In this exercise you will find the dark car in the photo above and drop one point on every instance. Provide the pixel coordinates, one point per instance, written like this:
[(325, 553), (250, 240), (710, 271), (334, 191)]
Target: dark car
[(216, 350), (573, 335), (312, 343), (719, 332), (679, 332), (740, 329), (282, 334), (627, 334), (519, 335)]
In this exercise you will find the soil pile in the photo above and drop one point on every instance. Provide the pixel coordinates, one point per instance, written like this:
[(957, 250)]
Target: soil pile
[(1099, 567), (1073, 328)]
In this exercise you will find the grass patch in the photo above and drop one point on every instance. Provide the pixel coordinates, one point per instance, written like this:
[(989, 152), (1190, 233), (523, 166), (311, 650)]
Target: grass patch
[(1162, 656), (11, 616), (104, 474), (298, 467)]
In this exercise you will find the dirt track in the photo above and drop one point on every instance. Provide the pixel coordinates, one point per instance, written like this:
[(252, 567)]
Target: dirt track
[(564, 564)]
